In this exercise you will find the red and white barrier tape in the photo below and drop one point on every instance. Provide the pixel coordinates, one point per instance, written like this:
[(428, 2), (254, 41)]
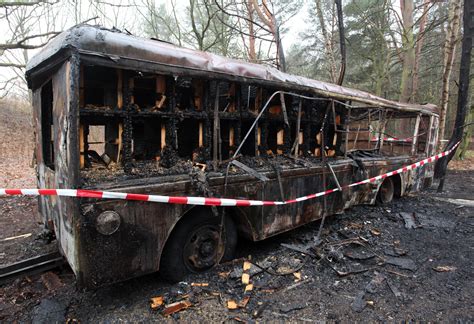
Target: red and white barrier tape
[(203, 200)]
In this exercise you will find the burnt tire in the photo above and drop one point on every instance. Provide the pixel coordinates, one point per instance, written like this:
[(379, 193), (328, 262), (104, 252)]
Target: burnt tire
[(386, 192), (194, 245)]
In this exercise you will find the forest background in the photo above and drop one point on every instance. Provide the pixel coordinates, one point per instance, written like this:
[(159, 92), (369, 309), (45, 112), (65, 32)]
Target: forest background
[(406, 50)]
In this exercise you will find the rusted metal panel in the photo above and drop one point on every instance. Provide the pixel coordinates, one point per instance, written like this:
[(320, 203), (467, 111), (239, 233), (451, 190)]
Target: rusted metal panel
[(62, 209), (133, 250)]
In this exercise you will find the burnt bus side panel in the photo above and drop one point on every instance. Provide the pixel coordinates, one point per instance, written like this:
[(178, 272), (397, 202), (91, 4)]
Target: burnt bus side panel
[(279, 219), (42, 106), (59, 170), (63, 178), (134, 249)]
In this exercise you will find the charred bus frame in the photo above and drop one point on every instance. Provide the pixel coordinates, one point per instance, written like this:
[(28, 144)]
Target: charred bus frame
[(120, 113)]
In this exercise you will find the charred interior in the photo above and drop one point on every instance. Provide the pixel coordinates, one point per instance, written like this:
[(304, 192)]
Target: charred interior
[(136, 124)]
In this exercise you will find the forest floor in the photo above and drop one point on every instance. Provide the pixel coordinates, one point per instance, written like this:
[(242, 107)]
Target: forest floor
[(369, 267)]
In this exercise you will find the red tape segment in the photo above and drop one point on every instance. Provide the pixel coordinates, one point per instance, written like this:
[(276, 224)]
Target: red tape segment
[(208, 201)]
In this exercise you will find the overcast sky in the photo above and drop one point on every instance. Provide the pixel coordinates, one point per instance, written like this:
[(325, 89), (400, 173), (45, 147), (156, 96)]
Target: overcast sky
[(66, 13)]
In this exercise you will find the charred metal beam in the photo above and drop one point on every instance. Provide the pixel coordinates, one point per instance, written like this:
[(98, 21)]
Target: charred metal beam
[(249, 170)]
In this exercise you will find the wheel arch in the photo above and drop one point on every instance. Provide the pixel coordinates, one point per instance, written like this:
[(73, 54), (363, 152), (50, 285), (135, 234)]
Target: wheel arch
[(238, 217), (397, 185)]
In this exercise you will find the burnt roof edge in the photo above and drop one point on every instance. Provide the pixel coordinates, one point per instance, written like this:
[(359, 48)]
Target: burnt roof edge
[(114, 43)]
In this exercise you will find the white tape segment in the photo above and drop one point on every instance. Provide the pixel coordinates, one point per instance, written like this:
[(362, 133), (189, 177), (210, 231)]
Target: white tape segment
[(204, 201)]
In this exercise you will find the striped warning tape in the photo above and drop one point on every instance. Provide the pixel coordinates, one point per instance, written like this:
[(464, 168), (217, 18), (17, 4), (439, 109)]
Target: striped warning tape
[(208, 201)]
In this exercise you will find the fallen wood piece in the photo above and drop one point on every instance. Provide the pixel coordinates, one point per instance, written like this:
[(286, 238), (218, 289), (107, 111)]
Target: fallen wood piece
[(398, 273), (243, 303), (240, 320), (246, 266), (176, 307), (224, 274), (231, 304), (297, 275), (375, 232), (156, 302), (355, 226), (17, 237), (409, 219), (248, 287), (199, 284), (245, 278), (403, 263), (444, 268)]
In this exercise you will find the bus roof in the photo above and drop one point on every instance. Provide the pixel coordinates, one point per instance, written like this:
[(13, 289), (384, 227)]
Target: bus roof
[(120, 48)]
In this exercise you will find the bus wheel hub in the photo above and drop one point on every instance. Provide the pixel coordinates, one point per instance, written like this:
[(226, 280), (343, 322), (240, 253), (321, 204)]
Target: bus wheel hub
[(203, 248)]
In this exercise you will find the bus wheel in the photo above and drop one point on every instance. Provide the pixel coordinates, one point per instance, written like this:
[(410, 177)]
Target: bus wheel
[(195, 245), (386, 191)]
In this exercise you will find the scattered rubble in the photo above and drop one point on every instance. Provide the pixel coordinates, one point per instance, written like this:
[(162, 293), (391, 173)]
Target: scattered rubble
[(444, 268), (176, 307), (409, 219), (420, 273), (156, 302)]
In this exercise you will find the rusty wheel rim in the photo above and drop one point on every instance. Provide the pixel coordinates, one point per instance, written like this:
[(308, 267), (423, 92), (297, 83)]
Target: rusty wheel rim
[(203, 248)]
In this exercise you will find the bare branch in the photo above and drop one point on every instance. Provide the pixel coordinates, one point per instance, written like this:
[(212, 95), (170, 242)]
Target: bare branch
[(12, 65), (24, 3), (240, 17)]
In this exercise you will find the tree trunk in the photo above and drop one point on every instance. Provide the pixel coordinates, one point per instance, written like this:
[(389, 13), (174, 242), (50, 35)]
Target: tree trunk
[(342, 42), (406, 84), (419, 44), (327, 42), (251, 49), (449, 51), (269, 19), (468, 23), (466, 139)]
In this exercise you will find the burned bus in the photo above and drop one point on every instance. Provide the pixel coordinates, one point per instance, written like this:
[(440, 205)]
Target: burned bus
[(125, 114)]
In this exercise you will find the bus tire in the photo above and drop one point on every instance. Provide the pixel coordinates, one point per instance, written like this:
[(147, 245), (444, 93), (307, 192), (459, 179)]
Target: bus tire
[(386, 192), (194, 245)]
